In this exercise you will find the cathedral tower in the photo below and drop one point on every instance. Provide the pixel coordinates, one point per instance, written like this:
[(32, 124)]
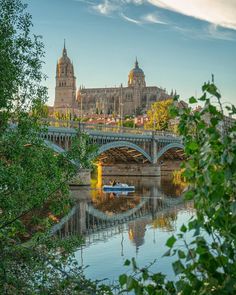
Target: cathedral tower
[(65, 91)]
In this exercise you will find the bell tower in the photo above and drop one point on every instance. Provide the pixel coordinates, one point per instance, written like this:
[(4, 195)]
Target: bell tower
[(65, 91)]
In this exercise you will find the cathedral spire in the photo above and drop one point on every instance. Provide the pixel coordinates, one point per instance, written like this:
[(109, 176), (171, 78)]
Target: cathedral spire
[(64, 48), (136, 63)]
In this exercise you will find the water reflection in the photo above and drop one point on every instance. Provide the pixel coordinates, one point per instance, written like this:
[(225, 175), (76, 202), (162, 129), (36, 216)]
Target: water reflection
[(116, 227), (155, 201)]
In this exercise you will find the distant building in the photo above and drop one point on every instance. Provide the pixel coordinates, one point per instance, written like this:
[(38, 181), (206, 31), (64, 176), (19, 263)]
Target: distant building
[(120, 101), (65, 91), (133, 99)]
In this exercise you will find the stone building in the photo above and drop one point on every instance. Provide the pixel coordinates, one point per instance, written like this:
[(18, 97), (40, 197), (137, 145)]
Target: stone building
[(120, 101), (65, 91), (134, 98)]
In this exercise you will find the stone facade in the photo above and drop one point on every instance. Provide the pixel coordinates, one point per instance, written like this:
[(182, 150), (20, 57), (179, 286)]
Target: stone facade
[(65, 91), (120, 101), (134, 98)]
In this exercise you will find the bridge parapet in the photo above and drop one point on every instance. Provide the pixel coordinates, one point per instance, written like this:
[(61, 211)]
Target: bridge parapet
[(105, 128)]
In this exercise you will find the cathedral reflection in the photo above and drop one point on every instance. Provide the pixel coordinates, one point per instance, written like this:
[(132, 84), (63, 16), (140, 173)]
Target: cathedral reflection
[(100, 216)]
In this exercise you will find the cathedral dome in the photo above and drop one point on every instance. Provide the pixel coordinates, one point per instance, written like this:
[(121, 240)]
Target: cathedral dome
[(136, 69), (136, 76)]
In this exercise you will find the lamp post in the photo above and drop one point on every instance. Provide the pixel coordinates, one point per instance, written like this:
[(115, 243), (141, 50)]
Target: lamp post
[(121, 106), (81, 106), (104, 106), (122, 113)]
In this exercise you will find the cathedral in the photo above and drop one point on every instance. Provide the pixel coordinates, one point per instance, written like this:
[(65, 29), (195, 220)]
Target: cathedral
[(135, 98)]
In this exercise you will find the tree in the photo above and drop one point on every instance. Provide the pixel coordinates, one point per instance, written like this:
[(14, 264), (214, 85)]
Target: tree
[(158, 115), (33, 178)]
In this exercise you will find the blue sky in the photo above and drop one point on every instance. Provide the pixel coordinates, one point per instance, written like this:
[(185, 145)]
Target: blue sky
[(179, 43)]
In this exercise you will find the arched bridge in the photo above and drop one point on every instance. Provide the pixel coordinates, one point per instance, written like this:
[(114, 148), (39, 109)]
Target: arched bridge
[(84, 218), (118, 145)]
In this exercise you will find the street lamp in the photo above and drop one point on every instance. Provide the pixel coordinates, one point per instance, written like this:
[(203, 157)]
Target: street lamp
[(121, 105), (104, 106), (121, 118)]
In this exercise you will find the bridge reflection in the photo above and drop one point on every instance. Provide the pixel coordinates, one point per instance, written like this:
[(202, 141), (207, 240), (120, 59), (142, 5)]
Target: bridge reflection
[(100, 216)]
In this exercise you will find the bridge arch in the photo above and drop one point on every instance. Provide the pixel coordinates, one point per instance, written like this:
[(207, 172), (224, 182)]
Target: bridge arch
[(56, 148), (168, 147), (127, 144)]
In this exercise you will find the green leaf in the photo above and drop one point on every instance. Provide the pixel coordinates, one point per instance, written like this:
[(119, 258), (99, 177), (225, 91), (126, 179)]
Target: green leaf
[(178, 267), (183, 228), (193, 146), (167, 253), (127, 262), (192, 100), (203, 97), (170, 242), (181, 254), (134, 264), (214, 121), (130, 283), (123, 279), (189, 195)]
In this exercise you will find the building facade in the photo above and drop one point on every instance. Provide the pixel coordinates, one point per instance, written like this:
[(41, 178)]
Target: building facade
[(135, 98), (65, 91)]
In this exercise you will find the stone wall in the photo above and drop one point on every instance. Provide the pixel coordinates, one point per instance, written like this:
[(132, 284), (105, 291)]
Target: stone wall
[(131, 170), (169, 166)]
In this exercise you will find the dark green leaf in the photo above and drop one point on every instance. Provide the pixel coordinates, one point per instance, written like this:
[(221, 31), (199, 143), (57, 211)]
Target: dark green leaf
[(170, 242)]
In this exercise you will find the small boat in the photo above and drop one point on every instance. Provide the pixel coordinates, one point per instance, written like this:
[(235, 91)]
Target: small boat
[(119, 187)]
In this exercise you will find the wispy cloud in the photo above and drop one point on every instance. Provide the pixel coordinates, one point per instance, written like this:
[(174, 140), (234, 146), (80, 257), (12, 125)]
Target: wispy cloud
[(129, 19), (220, 15), (152, 18), (107, 7), (216, 32), (209, 32), (219, 12), (110, 7)]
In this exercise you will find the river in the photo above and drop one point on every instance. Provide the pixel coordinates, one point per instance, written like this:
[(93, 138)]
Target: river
[(119, 227)]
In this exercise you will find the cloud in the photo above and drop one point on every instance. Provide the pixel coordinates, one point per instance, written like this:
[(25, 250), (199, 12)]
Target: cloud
[(211, 31), (152, 18), (132, 20), (137, 2), (107, 7), (110, 7), (215, 32), (218, 12)]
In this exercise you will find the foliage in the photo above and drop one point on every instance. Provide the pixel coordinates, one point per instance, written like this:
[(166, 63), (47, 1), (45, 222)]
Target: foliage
[(178, 178), (127, 123), (205, 248), (158, 115), (20, 64), (83, 151), (33, 179), (139, 111)]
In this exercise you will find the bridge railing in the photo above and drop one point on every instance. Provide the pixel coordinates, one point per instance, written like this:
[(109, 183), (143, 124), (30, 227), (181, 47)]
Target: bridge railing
[(104, 127)]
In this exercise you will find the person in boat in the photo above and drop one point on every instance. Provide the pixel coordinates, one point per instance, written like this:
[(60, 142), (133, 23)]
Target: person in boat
[(113, 182)]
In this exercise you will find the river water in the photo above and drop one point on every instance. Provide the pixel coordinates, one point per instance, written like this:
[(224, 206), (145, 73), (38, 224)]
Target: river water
[(119, 227)]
